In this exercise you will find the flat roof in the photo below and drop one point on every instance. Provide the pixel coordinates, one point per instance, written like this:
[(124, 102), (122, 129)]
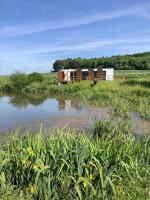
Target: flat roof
[(95, 69)]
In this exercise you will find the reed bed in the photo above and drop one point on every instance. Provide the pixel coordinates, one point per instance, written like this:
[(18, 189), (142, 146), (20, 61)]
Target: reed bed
[(110, 163)]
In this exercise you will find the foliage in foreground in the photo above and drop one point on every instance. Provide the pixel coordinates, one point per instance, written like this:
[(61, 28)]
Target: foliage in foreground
[(110, 163)]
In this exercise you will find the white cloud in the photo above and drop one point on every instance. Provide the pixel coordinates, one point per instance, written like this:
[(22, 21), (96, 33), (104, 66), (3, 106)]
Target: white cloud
[(40, 58), (49, 49), (17, 30)]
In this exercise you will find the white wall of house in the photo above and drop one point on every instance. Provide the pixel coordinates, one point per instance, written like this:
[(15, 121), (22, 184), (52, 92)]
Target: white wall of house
[(109, 73), (67, 74)]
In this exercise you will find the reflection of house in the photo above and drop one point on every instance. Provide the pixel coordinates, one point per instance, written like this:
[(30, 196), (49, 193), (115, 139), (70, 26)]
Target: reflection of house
[(66, 75), (64, 104)]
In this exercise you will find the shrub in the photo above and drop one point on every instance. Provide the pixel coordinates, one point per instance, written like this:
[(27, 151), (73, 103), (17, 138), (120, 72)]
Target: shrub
[(19, 80), (102, 127), (35, 77)]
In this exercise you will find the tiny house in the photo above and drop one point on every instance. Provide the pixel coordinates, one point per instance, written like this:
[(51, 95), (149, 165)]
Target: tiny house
[(67, 75)]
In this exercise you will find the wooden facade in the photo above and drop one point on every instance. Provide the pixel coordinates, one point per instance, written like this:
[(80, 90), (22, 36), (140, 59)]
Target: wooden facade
[(85, 74), (78, 76), (100, 75), (91, 74)]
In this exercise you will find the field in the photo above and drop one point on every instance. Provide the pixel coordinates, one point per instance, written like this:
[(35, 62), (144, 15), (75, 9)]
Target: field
[(127, 72), (107, 163)]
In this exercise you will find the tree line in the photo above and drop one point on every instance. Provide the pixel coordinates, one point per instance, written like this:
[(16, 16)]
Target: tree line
[(139, 61)]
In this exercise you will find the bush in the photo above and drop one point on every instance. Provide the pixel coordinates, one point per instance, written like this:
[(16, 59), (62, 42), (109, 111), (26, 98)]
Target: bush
[(35, 77), (102, 127), (19, 80)]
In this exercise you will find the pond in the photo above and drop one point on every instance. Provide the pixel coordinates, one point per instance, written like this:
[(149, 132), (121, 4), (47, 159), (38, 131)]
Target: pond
[(56, 112)]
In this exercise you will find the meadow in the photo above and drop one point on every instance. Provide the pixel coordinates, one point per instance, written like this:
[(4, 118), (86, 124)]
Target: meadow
[(109, 163)]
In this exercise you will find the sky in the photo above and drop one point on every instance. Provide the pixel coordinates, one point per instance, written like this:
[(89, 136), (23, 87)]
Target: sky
[(35, 33)]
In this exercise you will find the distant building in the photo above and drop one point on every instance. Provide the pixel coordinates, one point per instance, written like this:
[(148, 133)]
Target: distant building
[(67, 75)]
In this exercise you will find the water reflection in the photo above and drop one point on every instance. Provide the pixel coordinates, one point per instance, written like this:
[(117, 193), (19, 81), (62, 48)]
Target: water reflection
[(22, 101), (53, 112), (66, 104), (23, 110)]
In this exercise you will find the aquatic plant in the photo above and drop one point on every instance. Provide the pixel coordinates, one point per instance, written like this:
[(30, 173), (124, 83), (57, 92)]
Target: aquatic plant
[(110, 163)]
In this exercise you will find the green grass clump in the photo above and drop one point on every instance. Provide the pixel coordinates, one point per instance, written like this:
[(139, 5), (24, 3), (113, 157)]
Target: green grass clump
[(110, 163)]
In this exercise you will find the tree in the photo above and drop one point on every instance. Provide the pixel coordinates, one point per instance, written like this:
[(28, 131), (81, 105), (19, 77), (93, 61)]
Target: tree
[(135, 61)]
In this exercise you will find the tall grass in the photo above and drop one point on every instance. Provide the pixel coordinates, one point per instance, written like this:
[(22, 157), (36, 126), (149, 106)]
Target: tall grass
[(110, 163)]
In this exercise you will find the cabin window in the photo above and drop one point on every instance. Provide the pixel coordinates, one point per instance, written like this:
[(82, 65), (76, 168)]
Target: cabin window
[(72, 76), (95, 74), (85, 75)]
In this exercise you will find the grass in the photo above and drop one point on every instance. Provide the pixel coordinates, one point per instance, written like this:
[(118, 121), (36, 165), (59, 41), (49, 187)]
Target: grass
[(4, 80), (110, 163), (127, 72)]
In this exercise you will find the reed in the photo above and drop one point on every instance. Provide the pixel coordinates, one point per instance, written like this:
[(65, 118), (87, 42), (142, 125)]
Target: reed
[(109, 163)]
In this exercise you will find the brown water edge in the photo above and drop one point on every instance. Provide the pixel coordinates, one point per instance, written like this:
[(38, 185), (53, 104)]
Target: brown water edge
[(138, 125), (84, 123), (79, 119)]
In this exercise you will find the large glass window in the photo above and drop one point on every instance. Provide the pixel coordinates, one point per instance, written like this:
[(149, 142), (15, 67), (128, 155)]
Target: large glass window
[(72, 76)]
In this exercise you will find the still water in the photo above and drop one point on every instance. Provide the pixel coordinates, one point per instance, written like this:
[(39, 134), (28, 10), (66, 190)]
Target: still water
[(32, 111)]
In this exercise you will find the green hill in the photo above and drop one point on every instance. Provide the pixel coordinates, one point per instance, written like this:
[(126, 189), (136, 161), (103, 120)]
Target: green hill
[(138, 61)]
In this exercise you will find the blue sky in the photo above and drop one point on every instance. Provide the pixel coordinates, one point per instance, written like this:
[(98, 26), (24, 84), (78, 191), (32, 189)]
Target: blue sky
[(34, 33)]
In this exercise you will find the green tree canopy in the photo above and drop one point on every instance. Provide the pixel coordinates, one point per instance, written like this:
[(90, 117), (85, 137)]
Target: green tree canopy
[(138, 61)]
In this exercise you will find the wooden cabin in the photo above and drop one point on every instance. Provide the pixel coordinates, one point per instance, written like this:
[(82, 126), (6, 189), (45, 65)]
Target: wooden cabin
[(67, 75)]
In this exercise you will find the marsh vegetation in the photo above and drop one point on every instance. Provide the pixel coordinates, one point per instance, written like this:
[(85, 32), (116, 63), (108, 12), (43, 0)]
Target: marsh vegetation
[(108, 163)]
